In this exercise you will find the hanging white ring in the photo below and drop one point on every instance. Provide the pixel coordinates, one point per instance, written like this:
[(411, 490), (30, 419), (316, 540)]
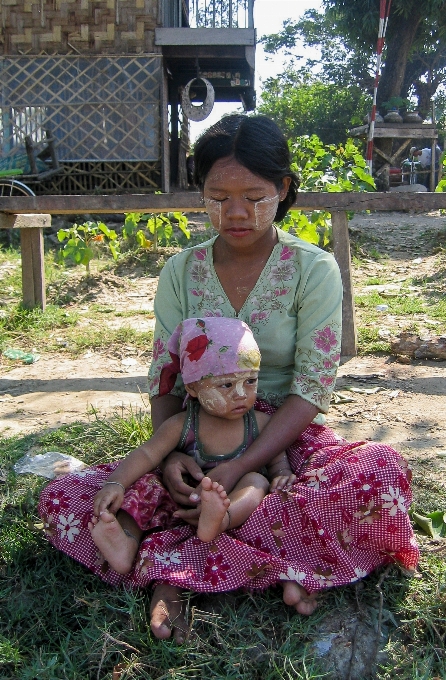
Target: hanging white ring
[(197, 113)]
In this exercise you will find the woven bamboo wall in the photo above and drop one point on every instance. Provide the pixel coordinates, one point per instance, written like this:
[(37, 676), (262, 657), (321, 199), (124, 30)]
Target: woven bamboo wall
[(80, 26)]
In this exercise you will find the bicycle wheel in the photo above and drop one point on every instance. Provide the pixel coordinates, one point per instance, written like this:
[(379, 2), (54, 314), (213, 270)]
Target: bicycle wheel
[(12, 187)]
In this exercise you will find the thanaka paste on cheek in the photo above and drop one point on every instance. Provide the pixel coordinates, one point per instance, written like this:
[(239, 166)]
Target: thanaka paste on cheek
[(211, 400), (265, 211), (214, 211)]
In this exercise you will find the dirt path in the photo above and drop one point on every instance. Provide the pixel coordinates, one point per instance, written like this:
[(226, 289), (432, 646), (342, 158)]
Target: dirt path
[(406, 410)]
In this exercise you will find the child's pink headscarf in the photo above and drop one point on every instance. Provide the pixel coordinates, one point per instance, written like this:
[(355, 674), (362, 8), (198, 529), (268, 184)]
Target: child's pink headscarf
[(201, 348)]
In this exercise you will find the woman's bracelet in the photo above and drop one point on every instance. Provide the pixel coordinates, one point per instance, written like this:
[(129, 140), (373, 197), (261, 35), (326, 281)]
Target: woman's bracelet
[(118, 483)]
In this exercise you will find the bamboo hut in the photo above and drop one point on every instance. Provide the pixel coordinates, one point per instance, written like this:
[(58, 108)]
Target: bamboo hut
[(105, 77)]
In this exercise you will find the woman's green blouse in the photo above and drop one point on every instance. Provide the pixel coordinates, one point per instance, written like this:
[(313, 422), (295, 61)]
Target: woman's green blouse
[(294, 311)]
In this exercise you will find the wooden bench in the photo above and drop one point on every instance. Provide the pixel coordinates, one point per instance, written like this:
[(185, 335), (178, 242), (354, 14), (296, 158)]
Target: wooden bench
[(31, 214)]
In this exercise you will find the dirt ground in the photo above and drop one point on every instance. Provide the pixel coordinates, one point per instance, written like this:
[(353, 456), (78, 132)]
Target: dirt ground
[(402, 404)]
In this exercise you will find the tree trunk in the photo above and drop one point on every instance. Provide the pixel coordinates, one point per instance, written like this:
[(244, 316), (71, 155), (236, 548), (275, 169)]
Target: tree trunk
[(425, 92), (397, 52)]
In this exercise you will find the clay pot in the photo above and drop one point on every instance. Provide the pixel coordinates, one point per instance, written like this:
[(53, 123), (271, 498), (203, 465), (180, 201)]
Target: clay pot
[(378, 118), (393, 117), (413, 117)]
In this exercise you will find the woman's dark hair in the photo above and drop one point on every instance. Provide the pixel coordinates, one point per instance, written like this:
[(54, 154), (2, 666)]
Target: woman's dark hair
[(257, 143)]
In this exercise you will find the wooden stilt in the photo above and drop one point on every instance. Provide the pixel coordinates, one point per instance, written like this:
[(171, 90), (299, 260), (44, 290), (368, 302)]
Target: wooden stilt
[(341, 248), (33, 272)]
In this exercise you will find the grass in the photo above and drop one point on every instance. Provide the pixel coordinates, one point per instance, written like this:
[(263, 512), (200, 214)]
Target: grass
[(369, 341), (25, 329), (415, 311), (60, 622)]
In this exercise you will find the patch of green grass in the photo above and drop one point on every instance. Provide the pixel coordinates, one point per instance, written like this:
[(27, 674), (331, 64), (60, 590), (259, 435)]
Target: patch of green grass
[(438, 311), (101, 309), (369, 341), (26, 328), (84, 338), (416, 648), (376, 281), (10, 271), (400, 305), (412, 327), (136, 312)]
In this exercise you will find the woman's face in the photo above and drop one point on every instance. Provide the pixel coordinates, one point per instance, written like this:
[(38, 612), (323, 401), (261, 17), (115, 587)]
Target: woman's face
[(241, 205)]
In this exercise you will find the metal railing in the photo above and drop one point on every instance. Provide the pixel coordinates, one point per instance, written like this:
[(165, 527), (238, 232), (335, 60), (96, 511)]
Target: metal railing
[(221, 13), (208, 13)]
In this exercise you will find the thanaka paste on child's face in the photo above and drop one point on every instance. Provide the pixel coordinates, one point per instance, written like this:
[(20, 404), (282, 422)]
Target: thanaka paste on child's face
[(220, 395)]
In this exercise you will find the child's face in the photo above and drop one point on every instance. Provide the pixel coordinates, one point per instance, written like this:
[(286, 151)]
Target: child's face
[(226, 396)]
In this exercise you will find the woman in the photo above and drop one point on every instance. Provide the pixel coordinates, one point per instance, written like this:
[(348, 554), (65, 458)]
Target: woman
[(347, 511)]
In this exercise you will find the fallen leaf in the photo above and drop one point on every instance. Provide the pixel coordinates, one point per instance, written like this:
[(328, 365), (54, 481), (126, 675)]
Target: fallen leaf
[(363, 390), (433, 523), (337, 398)]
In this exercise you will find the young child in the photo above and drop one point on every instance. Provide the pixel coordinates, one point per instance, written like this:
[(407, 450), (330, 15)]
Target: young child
[(219, 362)]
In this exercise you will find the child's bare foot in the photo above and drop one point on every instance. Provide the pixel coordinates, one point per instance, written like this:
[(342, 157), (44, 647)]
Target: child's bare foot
[(117, 547), (297, 597), (214, 504), (166, 610)]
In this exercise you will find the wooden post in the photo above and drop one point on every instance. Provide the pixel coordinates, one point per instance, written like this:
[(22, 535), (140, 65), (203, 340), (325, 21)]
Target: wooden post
[(52, 150), (432, 170), (31, 239), (174, 132), (33, 271), (341, 248), (29, 146)]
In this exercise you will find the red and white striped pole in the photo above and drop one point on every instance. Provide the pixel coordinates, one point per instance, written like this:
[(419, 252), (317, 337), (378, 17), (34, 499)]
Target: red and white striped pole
[(384, 11)]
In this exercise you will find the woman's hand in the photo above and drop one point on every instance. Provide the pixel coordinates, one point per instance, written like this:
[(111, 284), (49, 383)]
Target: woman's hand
[(177, 466), (227, 474), (282, 482), (189, 515), (109, 498)]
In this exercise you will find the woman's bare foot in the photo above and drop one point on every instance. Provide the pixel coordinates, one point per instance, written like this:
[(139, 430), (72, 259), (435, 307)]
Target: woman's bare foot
[(115, 545), (297, 597), (166, 610), (214, 506)]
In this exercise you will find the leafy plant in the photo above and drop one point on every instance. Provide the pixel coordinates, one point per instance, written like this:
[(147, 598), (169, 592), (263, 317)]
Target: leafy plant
[(82, 241), (160, 226), (396, 103), (324, 167)]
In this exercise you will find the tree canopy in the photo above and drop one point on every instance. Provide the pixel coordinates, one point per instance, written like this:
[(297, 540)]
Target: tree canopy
[(414, 59), (415, 52)]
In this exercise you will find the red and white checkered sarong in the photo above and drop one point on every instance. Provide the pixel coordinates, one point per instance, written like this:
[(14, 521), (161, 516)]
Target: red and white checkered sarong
[(345, 516)]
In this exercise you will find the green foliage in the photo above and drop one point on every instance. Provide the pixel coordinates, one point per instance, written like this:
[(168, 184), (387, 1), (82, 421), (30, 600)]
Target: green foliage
[(83, 240), (133, 233), (369, 342), (339, 61), (307, 105), (160, 226), (324, 168), (328, 167), (345, 34), (396, 103)]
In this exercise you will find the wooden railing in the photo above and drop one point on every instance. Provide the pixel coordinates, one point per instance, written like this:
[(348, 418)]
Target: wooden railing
[(31, 214)]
